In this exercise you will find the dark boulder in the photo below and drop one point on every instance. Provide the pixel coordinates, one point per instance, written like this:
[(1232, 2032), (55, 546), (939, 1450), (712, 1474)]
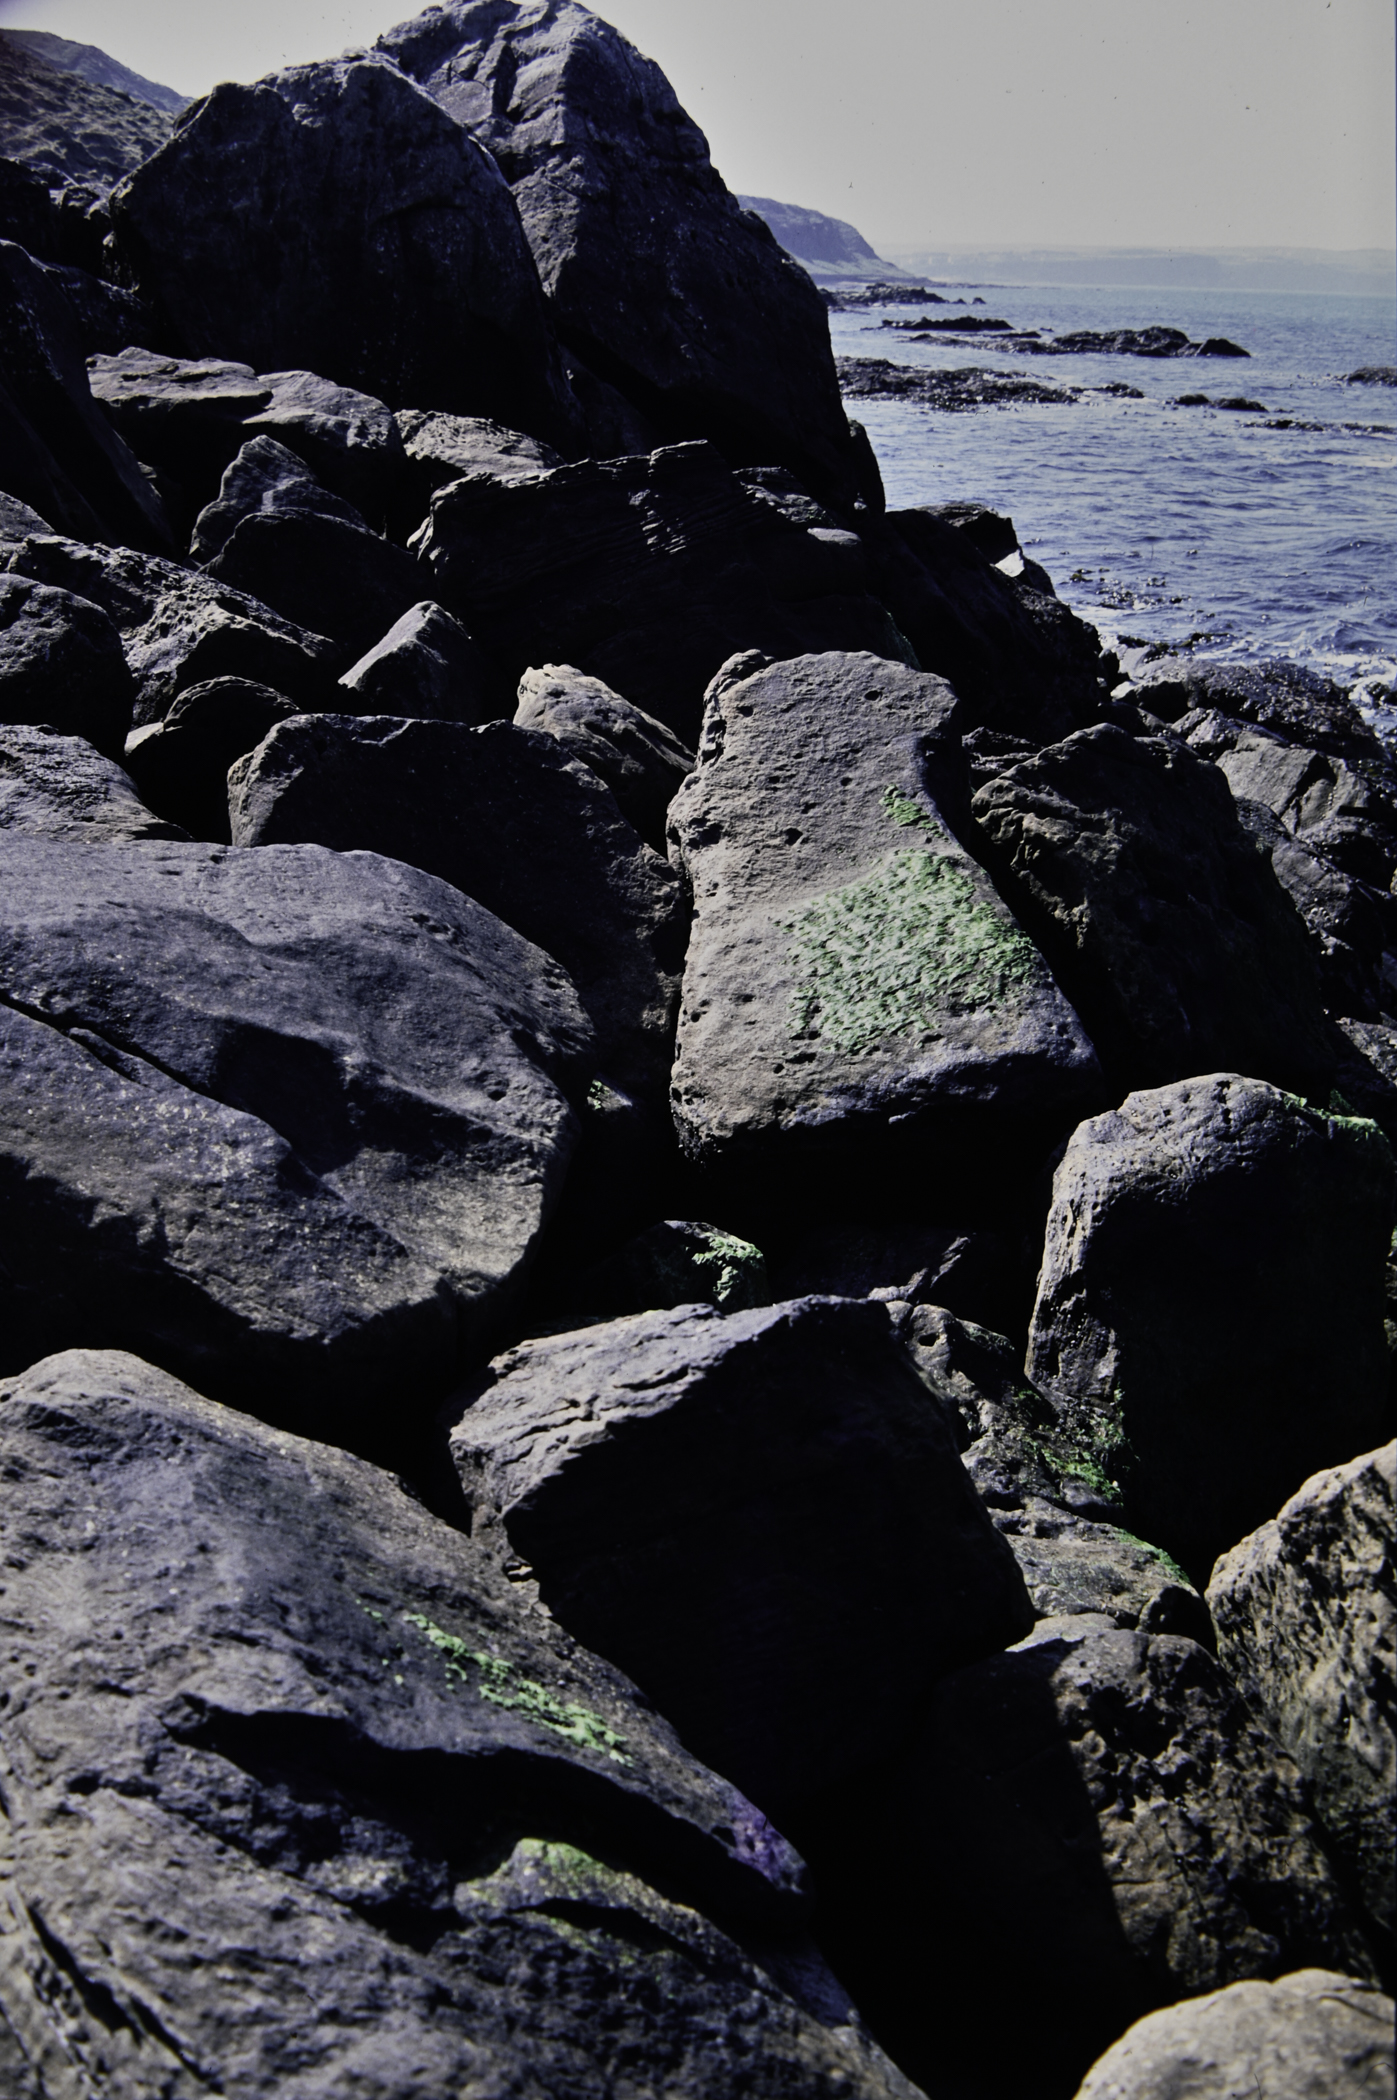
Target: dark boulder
[(180, 763), (290, 1121), (1169, 930), (759, 1516), (648, 573), (853, 979), (1213, 1287), (59, 787), (18, 521), (654, 274), (443, 448), (332, 1810), (60, 454), (384, 244), (1306, 1617), (1301, 705), (263, 478), (107, 318), (425, 665), (321, 573), (504, 815), (1351, 924), (1345, 813), (62, 665), (642, 762)]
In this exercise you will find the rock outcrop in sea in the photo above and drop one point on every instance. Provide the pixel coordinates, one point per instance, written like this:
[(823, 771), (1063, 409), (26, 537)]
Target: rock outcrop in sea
[(696, 1296)]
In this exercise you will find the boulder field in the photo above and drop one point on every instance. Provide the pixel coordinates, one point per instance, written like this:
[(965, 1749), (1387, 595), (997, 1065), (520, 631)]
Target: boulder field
[(697, 1305)]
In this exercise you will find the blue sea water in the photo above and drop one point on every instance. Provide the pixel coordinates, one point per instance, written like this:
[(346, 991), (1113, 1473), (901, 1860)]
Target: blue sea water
[(1159, 523)]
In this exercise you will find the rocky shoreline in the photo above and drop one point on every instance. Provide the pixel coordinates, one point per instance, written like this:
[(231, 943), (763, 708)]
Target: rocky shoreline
[(696, 1244)]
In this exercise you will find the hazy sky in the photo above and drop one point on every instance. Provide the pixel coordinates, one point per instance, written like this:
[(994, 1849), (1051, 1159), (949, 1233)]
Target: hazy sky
[(1162, 123)]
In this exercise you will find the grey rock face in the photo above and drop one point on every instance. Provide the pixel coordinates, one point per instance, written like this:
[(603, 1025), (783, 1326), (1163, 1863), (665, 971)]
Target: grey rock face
[(1345, 812), (62, 664), (1297, 704), (444, 448), (654, 273), (1178, 944), (1212, 1285), (642, 762), (648, 573), (17, 520), (385, 245), (427, 665), (324, 574), (1306, 1612), (1314, 2035), (331, 1807), (290, 1121), (180, 764), (850, 968), (502, 814), (59, 787), (263, 477), (760, 1517), (1349, 922)]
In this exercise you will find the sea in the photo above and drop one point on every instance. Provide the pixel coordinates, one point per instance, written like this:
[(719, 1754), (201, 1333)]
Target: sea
[(1236, 535)]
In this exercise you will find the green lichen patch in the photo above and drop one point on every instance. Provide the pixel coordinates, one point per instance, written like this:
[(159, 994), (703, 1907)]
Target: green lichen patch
[(726, 1271), (902, 809), (1158, 1555), (503, 1685), (899, 951)]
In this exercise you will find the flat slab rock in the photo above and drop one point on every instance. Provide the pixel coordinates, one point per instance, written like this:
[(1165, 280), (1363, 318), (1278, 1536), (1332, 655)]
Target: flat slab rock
[(1313, 2035), (1212, 1287), (59, 787), (1306, 1613), (288, 1120), (761, 1517), (851, 967), (323, 1806)]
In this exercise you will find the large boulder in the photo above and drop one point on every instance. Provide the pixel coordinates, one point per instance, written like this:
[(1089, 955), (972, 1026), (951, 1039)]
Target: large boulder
[(760, 1517), (654, 273), (853, 975), (324, 574), (1213, 1288), (426, 664), (1084, 1829), (263, 477), (642, 762), (60, 454), (321, 1806), (59, 787), (647, 572), (507, 817), (62, 664), (1168, 928), (1306, 1615), (288, 1121), (1313, 2035), (383, 241)]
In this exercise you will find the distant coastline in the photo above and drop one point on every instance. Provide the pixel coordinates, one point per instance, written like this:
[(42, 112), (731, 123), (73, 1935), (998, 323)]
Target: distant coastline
[(1370, 272)]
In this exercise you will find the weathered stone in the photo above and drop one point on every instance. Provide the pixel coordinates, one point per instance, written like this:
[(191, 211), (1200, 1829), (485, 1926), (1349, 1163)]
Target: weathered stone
[(760, 1517), (1350, 923), (323, 1805), (348, 439), (62, 665), (1306, 1614), (17, 520), (852, 972), (442, 448), (425, 665), (654, 273), (263, 477), (504, 815), (1212, 1286), (60, 787), (180, 764), (1167, 928), (1301, 705), (642, 762), (384, 244), (648, 573), (1346, 812), (289, 1121), (323, 574), (1313, 2035), (680, 1261)]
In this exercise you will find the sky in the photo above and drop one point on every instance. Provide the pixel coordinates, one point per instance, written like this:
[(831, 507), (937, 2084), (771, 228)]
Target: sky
[(1026, 123)]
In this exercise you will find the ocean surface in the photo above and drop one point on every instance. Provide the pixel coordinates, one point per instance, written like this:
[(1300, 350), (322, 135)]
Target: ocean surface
[(1175, 525)]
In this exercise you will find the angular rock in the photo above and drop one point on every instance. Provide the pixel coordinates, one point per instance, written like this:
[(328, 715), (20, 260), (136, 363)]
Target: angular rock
[(181, 628), (17, 520), (759, 1517), (655, 275), (444, 448), (1298, 704), (1313, 2035), (383, 241), (348, 439), (1306, 1613), (330, 1809), (852, 974), (62, 665), (425, 665), (648, 573), (1170, 932), (642, 762), (1350, 923), (263, 478), (180, 763), (60, 787), (289, 1121), (1085, 1829), (324, 574), (502, 814), (1213, 1287), (60, 454)]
